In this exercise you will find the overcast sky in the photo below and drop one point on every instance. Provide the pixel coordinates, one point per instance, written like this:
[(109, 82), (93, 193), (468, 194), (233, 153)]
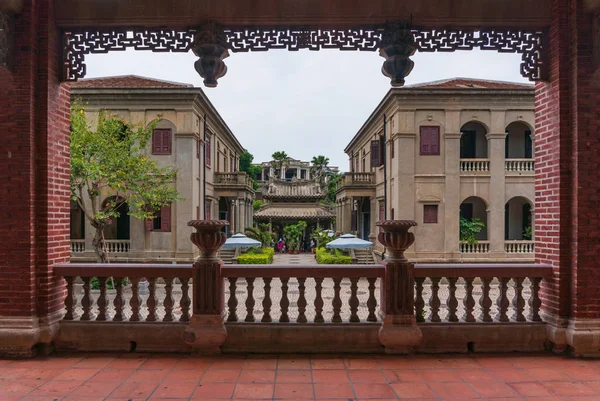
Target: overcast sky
[(304, 103)]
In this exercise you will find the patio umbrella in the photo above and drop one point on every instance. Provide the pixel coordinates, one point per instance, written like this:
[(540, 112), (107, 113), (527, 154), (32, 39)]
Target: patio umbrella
[(348, 241), (239, 240)]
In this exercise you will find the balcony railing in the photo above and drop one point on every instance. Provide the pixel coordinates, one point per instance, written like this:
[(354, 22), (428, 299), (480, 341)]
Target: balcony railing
[(320, 297), (519, 165), (519, 246), (77, 245), (506, 293), (302, 308), (475, 165), (118, 245), (238, 178), (479, 247), (357, 179)]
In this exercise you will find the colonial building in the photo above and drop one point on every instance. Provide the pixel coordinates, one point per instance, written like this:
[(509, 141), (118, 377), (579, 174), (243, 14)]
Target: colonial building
[(191, 136), (439, 151), (294, 169)]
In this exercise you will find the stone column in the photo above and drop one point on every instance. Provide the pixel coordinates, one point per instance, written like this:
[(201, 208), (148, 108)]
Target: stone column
[(399, 333), (496, 141), (452, 199), (242, 215), (206, 331)]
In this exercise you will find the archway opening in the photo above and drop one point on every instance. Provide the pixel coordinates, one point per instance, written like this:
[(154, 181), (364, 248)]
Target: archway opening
[(119, 229), (77, 229), (475, 209), (518, 219), (473, 141), (519, 141)]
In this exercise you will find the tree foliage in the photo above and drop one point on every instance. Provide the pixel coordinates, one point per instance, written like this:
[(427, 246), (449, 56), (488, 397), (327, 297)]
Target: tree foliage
[(109, 162), (261, 233), (322, 237), (292, 234), (469, 229), (319, 169), (332, 184), (280, 159), (246, 165)]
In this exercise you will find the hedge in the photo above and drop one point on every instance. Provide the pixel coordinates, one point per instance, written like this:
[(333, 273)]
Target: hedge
[(324, 257), (257, 257)]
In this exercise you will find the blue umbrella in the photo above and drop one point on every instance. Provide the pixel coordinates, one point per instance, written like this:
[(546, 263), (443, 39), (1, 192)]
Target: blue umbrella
[(240, 241), (348, 241)]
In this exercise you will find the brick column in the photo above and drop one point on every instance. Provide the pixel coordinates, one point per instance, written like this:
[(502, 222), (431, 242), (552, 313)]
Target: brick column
[(399, 333), (34, 177), (206, 331), (567, 146)]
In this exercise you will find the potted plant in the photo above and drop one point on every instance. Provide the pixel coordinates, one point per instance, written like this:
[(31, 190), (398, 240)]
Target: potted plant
[(469, 230)]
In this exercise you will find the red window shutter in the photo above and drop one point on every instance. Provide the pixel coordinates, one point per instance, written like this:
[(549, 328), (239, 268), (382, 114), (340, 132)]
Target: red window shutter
[(430, 214), (166, 141), (165, 218), (156, 141), (424, 141), (375, 153), (434, 140)]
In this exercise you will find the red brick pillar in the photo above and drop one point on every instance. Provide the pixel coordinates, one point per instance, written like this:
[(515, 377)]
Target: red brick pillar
[(399, 333), (34, 181), (206, 331), (567, 151)]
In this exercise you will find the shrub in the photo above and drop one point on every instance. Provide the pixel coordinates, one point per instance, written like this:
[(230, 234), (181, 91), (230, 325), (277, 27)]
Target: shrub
[(257, 257), (469, 229), (335, 257)]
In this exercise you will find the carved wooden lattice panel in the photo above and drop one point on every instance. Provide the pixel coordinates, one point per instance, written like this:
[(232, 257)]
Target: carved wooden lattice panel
[(530, 44)]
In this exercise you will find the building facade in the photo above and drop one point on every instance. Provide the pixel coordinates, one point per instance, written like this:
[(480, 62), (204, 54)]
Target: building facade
[(191, 136), (444, 152)]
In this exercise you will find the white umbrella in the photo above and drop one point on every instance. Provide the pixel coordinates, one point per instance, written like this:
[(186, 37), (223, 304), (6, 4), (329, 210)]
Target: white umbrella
[(239, 240), (348, 241)]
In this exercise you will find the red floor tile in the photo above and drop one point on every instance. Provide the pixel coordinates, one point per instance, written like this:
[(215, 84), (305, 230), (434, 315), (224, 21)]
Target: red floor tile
[(333, 390), (56, 388), (77, 374), (293, 376), (493, 389), (361, 363), (366, 376), (373, 390), (184, 376), (18, 388), (95, 389), (413, 390), (193, 363), (126, 363), (294, 391), (134, 390), (546, 374), (439, 375), (293, 363), (581, 374), (149, 375), (213, 391), (257, 376), (510, 375), (111, 375), (228, 363), (253, 391), (175, 390), (159, 363), (531, 389), (260, 364), (454, 391), (327, 363), (475, 375), (571, 389), (94, 362), (221, 376), (402, 376), (330, 376)]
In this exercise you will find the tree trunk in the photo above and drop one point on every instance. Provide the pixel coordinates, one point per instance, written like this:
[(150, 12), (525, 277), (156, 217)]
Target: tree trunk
[(98, 244)]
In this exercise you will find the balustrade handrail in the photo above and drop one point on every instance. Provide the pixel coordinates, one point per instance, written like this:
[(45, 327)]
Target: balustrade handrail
[(303, 271), (483, 270), (123, 270)]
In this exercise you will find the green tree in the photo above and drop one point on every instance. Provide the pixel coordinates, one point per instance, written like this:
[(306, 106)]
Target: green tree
[(469, 229), (293, 233), (332, 184), (246, 165), (280, 159), (319, 169), (110, 163), (261, 233), (257, 204)]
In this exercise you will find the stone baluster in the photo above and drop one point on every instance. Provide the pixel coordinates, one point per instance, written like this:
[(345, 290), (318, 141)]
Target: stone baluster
[(102, 301), (284, 304), (267, 303), (419, 302), (399, 333), (250, 300), (319, 300), (232, 303), (469, 301), (70, 300), (185, 300), (86, 301), (336, 302), (372, 301), (302, 300), (206, 330)]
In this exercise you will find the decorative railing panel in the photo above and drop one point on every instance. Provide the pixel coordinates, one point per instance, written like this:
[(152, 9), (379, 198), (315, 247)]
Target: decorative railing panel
[(474, 165), (365, 179), (303, 293), (520, 165), (479, 247), (237, 178), (77, 245), (118, 245), (519, 246), (127, 292), (473, 293)]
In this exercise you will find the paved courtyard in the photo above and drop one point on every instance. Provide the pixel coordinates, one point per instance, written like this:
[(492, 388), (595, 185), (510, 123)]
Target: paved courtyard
[(136, 377)]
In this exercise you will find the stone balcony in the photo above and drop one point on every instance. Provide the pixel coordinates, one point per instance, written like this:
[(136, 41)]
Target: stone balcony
[(237, 180)]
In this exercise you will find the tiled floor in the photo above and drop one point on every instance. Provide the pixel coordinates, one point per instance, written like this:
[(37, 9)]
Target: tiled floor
[(135, 377)]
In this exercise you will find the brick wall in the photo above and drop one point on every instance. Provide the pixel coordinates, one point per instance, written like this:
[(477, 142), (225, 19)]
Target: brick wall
[(34, 165), (567, 163)]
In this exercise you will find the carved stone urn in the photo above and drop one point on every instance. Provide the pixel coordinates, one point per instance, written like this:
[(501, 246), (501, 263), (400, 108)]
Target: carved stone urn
[(210, 45), (399, 333), (206, 331)]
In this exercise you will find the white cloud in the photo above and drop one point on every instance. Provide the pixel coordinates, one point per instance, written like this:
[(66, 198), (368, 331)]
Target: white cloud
[(305, 103)]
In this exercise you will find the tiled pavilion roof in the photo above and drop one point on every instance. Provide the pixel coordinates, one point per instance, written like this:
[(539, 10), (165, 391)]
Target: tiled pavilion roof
[(293, 211), (127, 81)]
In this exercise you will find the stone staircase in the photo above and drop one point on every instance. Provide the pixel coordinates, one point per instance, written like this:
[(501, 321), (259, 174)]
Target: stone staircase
[(227, 255), (364, 256)]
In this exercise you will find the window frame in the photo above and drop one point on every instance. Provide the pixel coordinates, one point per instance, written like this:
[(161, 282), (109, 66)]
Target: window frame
[(427, 216), (424, 133), (162, 131)]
